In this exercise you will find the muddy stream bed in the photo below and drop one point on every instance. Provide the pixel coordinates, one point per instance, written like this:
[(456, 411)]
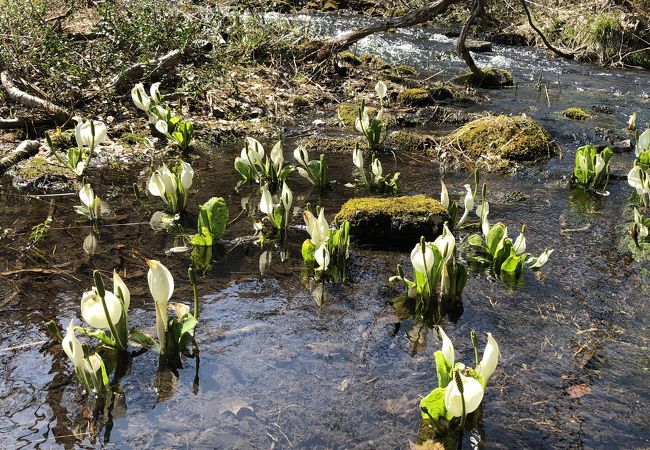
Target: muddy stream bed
[(279, 371)]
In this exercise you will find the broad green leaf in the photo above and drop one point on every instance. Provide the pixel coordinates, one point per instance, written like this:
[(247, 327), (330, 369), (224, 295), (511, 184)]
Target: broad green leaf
[(513, 264), (644, 160), (97, 334), (213, 219), (434, 404), (504, 251), (443, 369), (476, 240), (497, 233), (244, 170)]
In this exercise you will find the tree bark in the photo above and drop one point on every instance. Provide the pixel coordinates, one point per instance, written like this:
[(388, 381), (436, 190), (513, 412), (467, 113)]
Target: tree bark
[(60, 114), (23, 151), (477, 10), (324, 49)]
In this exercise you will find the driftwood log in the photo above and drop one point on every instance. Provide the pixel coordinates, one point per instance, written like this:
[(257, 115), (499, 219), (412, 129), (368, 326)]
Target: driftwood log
[(58, 113), (24, 150)]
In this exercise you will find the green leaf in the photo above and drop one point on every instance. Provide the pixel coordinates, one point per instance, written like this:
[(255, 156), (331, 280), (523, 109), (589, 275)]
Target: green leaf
[(435, 404), (498, 232), (308, 252), (97, 334), (644, 160), (504, 251), (142, 339), (513, 264), (213, 219), (443, 370), (244, 170), (476, 240), (188, 325)]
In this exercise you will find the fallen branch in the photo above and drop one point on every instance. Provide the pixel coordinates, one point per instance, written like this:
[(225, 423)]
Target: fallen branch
[(10, 124), (154, 68), (541, 35), (23, 151), (325, 48), (462, 49), (60, 114)]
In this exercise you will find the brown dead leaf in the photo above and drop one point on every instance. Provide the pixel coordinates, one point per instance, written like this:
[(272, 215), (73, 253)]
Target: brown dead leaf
[(578, 390)]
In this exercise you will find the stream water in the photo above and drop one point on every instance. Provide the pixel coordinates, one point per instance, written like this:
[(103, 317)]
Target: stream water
[(278, 371)]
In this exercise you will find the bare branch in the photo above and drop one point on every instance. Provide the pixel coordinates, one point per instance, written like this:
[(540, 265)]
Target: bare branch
[(539, 32), (477, 10)]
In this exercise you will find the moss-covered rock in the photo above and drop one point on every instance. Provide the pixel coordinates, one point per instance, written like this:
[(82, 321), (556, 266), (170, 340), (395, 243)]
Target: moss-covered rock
[(407, 141), (348, 112), (576, 114), (331, 6), (414, 97), (514, 138), (397, 219), (330, 144), (489, 78), (299, 102), (349, 58), (39, 172)]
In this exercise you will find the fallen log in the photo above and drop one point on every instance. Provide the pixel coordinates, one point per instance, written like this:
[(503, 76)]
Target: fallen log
[(60, 114), (323, 49), (24, 150)]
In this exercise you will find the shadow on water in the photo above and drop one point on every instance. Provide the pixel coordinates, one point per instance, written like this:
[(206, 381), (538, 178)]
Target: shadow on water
[(277, 370)]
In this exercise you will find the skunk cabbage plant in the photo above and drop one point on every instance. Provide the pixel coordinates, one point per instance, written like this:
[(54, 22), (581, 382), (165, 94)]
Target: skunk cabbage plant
[(91, 204), (327, 249), (172, 187), (313, 171), (373, 129), (255, 166), (591, 168), (173, 333), (277, 212), (88, 370), (460, 389), (212, 222), (376, 182), (438, 276)]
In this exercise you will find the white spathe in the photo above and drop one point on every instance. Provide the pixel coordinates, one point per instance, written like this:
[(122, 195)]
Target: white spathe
[(140, 98), (322, 256), (472, 393), (447, 347), (92, 309), (87, 196), (444, 195), (72, 347), (126, 294), (89, 133), (277, 155), (266, 201), (490, 359), (422, 261)]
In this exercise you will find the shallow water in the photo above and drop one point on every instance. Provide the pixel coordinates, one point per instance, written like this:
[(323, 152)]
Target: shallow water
[(277, 370)]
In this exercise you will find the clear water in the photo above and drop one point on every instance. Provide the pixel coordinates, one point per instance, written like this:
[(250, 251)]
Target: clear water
[(278, 371)]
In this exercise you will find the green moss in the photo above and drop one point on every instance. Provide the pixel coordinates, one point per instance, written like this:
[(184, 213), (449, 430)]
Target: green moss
[(404, 70), (349, 58), (299, 101), (38, 167), (62, 139), (329, 144), (576, 114), (331, 6), (517, 138), (406, 141), (414, 97), (395, 219), (489, 78), (348, 112), (134, 139)]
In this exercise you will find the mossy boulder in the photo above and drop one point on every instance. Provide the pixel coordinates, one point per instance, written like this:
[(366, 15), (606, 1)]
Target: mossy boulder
[(489, 78), (407, 141), (330, 144), (331, 6), (415, 97), (348, 112), (514, 138), (397, 219), (576, 114), (39, 172)]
